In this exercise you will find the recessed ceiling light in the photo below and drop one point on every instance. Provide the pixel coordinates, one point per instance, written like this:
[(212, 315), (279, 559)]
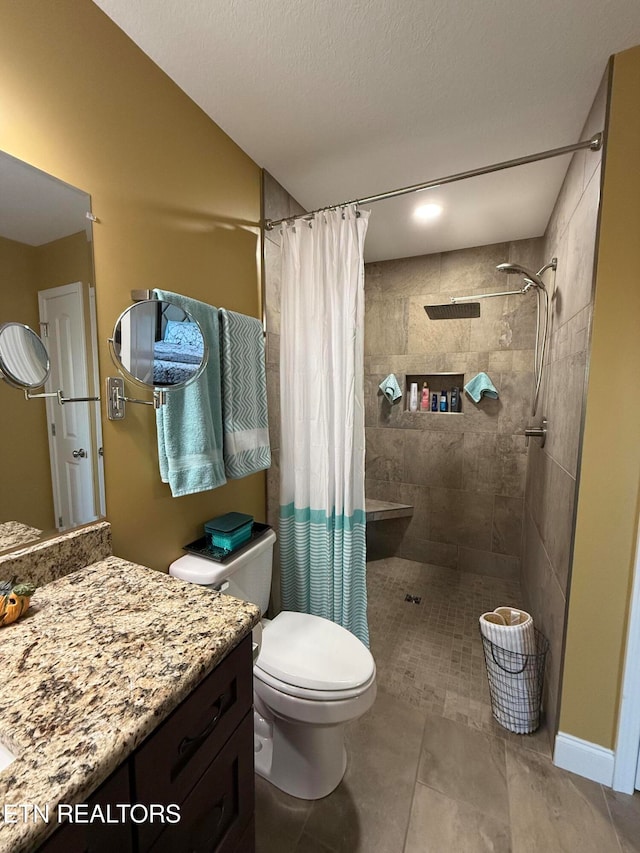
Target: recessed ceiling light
[(425, 212)]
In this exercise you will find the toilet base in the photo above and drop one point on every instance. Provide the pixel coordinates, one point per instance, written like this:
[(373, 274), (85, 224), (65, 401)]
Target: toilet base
[(305, 761)]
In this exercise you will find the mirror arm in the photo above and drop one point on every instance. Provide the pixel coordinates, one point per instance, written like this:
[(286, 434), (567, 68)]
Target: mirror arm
[(159, 399), (60, 397), (116, 399)]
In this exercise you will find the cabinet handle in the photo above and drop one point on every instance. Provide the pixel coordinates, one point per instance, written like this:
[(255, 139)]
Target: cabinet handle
[(188, 742), (208, 833)]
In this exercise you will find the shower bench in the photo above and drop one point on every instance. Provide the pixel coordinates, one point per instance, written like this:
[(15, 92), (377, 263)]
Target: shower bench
[(382, 510)]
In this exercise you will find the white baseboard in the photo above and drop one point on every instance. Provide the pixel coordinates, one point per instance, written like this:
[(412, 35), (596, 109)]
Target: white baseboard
[(584, 758)]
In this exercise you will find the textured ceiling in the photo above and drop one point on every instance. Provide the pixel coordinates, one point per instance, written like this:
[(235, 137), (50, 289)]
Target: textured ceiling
[(340, 99)]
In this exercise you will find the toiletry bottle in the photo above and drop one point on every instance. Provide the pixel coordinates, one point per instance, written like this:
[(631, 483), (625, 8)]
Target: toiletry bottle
[(434, 402), (444, 405), (455, 400), (413, 397), (424, 402)]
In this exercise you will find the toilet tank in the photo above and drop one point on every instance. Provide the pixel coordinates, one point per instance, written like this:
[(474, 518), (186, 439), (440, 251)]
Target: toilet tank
[(248, 574)]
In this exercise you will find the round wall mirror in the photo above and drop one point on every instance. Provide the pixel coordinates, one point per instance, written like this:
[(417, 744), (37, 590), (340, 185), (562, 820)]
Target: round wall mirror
[(158, 345), (24, 360)]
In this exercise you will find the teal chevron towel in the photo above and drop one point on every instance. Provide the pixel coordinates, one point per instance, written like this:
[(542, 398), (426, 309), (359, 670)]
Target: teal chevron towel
[(481, 386), (391, 389), (189, 425), (244, 395)]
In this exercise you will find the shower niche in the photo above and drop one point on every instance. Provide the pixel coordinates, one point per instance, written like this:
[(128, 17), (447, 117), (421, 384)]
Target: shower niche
[(450, 383)]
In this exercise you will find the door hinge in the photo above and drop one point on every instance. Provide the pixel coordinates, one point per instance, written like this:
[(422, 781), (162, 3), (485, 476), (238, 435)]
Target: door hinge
[(44, 330), (53, 430), (59, 521)]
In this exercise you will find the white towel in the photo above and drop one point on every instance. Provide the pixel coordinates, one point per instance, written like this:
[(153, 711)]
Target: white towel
[(514, 693)]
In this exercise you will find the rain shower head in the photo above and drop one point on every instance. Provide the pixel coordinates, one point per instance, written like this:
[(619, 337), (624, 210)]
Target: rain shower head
[(453, 311)]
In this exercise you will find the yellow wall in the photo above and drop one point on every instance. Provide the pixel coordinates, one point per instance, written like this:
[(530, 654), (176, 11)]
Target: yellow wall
[(178, 204), (607, 514), (25, 492)]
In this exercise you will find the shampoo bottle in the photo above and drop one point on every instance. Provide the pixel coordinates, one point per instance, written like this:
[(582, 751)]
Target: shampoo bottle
[(455, 399), (434, 402), (424, 402), (413, 397), (444, 405)]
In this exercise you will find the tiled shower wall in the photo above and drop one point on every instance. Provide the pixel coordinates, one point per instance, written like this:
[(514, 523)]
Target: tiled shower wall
[(278, 204), (551, 477), (463, 473)]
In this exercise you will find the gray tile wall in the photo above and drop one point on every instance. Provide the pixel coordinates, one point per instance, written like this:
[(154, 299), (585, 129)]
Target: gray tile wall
[(278, 204), (551, 476), (464, 473)]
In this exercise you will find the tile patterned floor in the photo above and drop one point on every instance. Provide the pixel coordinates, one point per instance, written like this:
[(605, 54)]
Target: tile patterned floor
[(429, 769), (430, 654)]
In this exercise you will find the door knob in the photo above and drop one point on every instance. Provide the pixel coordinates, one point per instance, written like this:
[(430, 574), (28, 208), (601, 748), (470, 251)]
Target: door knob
[(79, 454)]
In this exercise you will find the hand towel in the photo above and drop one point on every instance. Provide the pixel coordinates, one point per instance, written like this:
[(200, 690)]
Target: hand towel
[(189, 425), (244, 395), (391, 389), (511, 674), (481, 386)]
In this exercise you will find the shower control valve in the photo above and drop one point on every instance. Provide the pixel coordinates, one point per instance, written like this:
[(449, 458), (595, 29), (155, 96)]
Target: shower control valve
[(537, 432)]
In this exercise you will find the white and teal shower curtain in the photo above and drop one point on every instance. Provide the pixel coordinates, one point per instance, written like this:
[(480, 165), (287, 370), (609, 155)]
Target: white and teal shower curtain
[(322, 512)]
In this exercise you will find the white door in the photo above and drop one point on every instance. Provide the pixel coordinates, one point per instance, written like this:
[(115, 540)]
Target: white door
[(70, 445), (137, 340)]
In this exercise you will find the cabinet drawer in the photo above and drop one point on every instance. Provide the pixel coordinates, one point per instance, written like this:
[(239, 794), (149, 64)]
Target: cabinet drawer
[(217, 814), (170, 762)]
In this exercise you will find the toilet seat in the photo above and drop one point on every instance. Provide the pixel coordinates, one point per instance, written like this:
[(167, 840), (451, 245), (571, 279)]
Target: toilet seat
[(312, 658), (306, 693)]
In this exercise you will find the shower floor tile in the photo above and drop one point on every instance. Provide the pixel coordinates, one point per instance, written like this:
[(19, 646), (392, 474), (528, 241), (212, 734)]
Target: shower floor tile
[(430, 654)]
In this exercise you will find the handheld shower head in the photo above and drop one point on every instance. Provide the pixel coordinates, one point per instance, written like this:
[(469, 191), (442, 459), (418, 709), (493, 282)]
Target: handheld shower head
[(531, 278)]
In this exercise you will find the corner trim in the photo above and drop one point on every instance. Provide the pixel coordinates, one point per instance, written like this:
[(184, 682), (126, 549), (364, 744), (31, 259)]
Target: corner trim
[(626, 760), (584, 758)]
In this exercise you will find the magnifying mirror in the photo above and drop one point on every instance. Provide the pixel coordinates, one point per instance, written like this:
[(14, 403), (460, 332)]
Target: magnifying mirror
[(24, 360), (158, 345)]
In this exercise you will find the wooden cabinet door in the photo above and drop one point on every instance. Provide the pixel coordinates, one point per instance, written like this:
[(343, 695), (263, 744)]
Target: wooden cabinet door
[(97, 837), (217, 815)]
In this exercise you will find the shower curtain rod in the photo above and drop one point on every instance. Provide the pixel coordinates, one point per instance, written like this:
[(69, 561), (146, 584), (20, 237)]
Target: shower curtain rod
[(595, 144)]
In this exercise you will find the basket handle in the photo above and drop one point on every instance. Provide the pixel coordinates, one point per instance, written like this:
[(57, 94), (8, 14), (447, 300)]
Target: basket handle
[(504, 669)]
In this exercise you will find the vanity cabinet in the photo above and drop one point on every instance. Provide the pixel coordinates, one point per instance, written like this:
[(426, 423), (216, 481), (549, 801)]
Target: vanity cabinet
[(201, 759), (97, 837)]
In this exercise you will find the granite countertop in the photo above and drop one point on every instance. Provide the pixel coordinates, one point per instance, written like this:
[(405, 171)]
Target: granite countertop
[(101, 658), (14, 533)]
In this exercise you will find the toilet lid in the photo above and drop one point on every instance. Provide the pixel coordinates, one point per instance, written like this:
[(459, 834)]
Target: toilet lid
[(308, 651)]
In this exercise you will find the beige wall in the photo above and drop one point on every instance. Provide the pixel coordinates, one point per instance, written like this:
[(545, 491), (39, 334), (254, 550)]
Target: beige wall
[(25, 491), (552, 471), (607, 512), (178, 205)]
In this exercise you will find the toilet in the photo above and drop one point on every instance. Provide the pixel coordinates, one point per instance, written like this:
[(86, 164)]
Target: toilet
[(310, 677)]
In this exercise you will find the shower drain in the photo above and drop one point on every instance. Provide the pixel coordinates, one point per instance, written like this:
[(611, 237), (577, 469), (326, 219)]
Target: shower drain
[(413, 599)]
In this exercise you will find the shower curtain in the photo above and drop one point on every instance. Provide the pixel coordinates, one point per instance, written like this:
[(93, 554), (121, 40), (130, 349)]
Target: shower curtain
[(322, 512)]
